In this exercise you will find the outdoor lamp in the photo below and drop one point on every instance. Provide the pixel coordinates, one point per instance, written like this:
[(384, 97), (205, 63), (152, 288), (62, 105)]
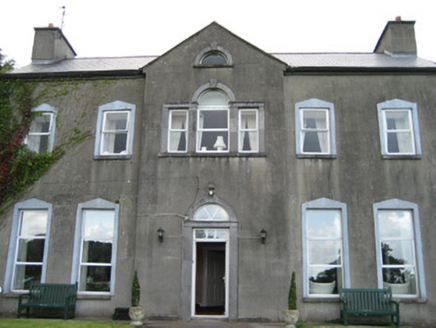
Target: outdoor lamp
[(211, 189), (160, 234), (262, 235)]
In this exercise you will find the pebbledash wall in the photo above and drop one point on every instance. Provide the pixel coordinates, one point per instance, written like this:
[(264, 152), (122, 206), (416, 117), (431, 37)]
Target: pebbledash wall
[(252, 165)]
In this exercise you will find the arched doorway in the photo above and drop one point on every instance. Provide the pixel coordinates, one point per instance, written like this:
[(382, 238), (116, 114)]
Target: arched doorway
[(210, 261)]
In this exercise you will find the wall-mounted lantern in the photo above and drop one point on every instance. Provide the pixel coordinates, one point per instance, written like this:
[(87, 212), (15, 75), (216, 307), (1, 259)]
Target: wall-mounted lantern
[(210, 189), (262, 235), (160, 234)]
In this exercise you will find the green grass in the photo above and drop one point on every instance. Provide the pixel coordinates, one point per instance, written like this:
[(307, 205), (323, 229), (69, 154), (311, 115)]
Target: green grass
[(40, 323)]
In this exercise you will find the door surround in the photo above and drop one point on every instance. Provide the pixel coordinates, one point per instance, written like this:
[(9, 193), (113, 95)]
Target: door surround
[(189, 226)]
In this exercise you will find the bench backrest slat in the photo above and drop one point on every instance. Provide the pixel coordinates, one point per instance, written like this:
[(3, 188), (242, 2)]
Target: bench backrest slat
[(378, 300), (51, 294)]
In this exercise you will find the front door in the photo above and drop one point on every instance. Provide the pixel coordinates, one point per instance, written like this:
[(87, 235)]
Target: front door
[(210, 272)]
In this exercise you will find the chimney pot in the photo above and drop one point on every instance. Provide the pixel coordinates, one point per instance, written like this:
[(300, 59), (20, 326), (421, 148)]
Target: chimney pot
[(398, 18), (50, 25)]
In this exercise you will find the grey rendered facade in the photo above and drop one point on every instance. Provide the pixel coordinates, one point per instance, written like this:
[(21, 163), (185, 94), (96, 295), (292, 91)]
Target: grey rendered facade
[(321, 155)]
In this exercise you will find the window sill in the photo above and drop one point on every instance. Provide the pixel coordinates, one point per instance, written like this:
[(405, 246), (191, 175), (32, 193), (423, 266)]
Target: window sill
[(112, 157), (316, 156), (328, 299), (409, 300), (213, 66), (401, 156), (212, 155), (94, 297)]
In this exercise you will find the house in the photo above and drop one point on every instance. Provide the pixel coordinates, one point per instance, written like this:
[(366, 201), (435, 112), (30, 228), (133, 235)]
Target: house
[(216, 170)]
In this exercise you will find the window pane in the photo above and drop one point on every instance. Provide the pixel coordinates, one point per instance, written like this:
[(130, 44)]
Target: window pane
[(400, 142), (95, 278), (325, 252), (213, 141), (33, 223), (211, 212), (116, 121), (398, 120), (395, 224), (315, 142), (97, 252), (41, 124), (213, 98), (323, 224), (25, 274), (325, 280), (99, 225), (248, 131), (30, 250), (402, 281), (398, 252), (315, 119), (214, 58), (214, 119)]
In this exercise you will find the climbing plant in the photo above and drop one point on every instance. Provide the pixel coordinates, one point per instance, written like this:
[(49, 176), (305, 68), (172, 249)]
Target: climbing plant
[(19, 167)]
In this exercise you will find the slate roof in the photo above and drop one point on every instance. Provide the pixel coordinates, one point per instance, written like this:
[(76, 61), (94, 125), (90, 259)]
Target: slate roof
[(368, 60), (292, 60)]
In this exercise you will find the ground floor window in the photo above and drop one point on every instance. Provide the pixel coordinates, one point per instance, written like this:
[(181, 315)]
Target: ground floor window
[(95, 248), (325, 247), (28, 247), (398, 245)]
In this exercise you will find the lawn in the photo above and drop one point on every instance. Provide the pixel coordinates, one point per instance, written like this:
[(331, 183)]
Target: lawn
[(40, 323)]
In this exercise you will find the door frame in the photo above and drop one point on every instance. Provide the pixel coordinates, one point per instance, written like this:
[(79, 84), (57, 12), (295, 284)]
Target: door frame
[(188, 305), (223, 240)]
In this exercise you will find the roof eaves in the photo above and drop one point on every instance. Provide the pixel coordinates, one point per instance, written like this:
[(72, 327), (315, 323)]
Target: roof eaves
[(358, 69), (74, 74)]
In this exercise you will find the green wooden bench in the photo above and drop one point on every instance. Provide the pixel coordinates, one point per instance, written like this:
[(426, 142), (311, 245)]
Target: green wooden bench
[(49, 296), (368, 302)]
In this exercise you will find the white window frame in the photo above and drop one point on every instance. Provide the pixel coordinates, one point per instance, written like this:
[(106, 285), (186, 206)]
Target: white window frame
[(114, 107), (31, 204), (315, 105), (99, 205), (398, 105), (44, 110), (200, 130), (242, 130), (178, 130), (326, 204), (401, 205)]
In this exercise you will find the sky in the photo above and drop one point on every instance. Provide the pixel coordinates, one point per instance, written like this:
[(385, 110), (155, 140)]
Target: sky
[(109, 28)]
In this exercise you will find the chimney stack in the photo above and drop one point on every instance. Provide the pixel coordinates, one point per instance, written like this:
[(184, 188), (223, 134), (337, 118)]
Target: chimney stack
[(398, 38), (50, 46)]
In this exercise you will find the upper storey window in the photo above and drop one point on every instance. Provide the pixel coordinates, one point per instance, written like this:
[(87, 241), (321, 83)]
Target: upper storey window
[(40, 138), (115, 130), (399, 128), (213, 122), (315, 128)]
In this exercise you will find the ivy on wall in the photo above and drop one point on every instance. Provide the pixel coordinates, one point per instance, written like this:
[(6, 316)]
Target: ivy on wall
[(19, 167)]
